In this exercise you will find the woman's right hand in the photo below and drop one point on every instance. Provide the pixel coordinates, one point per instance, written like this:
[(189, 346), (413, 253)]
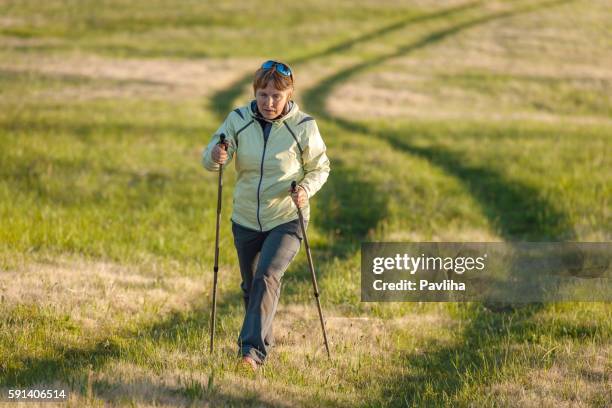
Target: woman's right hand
[(219, 155)]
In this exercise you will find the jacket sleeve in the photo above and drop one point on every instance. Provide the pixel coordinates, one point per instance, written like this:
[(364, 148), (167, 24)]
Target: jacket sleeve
[(226, 128), (316, 163)]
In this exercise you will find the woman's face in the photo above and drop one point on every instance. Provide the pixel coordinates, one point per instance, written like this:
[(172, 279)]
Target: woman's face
[(271, 101)]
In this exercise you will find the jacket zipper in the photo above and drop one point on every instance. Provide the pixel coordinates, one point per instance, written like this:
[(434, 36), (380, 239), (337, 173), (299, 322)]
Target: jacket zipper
[(269, 127)]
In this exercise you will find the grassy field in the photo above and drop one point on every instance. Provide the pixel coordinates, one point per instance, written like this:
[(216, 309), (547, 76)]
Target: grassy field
[(459, 121)]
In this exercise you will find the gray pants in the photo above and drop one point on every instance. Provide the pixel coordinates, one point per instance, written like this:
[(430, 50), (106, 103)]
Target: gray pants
[(263, 258)]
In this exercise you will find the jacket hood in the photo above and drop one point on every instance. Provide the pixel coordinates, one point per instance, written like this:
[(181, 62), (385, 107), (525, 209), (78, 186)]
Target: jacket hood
[(290, 110)]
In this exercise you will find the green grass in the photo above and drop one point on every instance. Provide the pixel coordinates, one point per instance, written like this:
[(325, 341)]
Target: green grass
[(193, 29), (107, 217)]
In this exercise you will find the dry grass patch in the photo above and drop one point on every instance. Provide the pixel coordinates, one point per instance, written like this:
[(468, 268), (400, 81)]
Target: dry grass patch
[(545, 65), (299, 335), (97, 293), (577, 378), (164, 79)]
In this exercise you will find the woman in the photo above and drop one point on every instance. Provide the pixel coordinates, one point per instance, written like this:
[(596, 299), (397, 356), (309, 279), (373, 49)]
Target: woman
[(274, 143)]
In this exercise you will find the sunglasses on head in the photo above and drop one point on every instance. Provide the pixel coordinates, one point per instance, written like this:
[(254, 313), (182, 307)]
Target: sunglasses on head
[(280, 67)]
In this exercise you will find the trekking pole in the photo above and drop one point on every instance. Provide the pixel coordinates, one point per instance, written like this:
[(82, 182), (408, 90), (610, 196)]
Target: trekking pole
[(312, 271), (223, 144)]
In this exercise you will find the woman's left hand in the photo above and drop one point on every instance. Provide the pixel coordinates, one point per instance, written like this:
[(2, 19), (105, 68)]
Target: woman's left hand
[(300, 198)]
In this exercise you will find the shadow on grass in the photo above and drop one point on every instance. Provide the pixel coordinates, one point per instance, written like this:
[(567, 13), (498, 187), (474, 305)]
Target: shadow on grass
[(352, 207), (515, 207), (86, 130)]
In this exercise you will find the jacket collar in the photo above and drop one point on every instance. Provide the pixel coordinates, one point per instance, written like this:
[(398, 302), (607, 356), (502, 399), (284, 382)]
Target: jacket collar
[(290, 110)]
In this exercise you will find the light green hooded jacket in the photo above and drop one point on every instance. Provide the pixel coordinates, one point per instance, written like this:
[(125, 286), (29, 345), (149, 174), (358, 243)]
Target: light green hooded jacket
[(294, 150)]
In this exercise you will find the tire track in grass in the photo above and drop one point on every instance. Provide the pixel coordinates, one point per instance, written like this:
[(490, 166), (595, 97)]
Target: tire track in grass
[(222, 102), (482, 350), (514, 197), (512, 201)]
